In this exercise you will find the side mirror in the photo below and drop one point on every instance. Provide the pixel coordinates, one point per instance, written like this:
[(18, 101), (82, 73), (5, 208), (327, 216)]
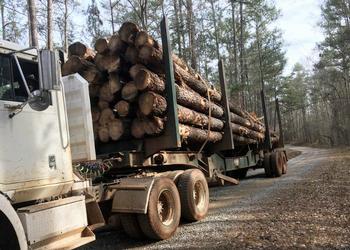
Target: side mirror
[(49, 70)]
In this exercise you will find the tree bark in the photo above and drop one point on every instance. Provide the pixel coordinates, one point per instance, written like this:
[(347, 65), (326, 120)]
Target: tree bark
[(114, 82), (151, 103), (128, 32), (147, 80), (243, 131), (33, 24), (243, 140), (129, 91), (191, 117), (116, 44), (101, 45), (49, 25), (80, 50), (195, 135), (134, 70)]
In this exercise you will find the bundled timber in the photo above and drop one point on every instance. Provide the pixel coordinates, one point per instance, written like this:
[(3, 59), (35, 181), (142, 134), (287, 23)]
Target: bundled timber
[(127, 86)]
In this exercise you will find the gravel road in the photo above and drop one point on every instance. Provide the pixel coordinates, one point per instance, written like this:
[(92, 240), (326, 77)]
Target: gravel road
[(308, 208)]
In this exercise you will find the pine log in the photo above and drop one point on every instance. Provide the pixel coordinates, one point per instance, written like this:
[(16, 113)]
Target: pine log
[(243, 140), (114, 82), (108, 62), (95, 127), (131, 54), (137, 128), (153, 125), (153, 57), (103, 133), (128, 32), (143, 38), (240, 130), (122, 108), (80, 50), (101, 46), (129, 91), (134, 70), (115, 129), (191, 117), (195, 101), (106, 116), (102, 104), (146, 80), (195, 135), (247, 123), (85, 68), (94, 90), (116, 45), (105, 93), (151, 103), (95, 114)]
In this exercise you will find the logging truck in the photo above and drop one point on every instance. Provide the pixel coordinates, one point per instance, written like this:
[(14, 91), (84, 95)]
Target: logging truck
[(61, 177)]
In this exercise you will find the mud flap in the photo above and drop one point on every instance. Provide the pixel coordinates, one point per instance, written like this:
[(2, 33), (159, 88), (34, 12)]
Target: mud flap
[(132, 195)]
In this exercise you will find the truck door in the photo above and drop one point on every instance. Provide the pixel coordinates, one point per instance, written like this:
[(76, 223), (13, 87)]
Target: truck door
[(32, 150)]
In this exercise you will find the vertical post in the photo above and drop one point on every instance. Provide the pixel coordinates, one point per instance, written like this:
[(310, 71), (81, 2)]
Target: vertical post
[(280, 128), (227, 141), (267, 141), (170, 138)]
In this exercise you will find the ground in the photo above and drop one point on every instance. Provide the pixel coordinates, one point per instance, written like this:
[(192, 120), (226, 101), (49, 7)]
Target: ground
[(308, 208)]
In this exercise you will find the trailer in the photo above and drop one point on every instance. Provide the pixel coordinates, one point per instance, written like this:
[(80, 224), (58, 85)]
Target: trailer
[(151, 183), (48, 199)]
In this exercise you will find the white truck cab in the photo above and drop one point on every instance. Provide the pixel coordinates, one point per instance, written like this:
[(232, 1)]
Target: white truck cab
[(37, 209)]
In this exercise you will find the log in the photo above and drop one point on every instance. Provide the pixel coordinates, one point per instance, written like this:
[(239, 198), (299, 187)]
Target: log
[(195, 101), (94, 90), (103, 133), (122, 108), (129, 91), (114, 82), (95, 114), (108, 62), (105, 93), (95, 127), (101, 46), (85, 68), (195, 135), (153, 125), (240, 130), (128, 32), (115, 129), (116, 45), (106, 117), (142, 38), (153, 57), (131, 54), (191, 117), (102, 104), (135, 69), (137, 128), (79, 49), (151, 103), (243, 140), (146, 80), (246, 123)]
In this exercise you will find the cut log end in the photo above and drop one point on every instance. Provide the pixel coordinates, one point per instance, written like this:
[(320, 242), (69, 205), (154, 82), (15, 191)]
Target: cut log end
[(128, 32), (151, 103), (101, 45), (122, 108), (129, 91)]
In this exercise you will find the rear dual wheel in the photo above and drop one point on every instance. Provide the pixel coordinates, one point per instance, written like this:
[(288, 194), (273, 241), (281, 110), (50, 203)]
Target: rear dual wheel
[(194, 195), (275, 164)]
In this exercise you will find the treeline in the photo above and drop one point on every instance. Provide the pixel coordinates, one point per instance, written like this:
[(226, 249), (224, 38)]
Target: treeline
[(315, 104)]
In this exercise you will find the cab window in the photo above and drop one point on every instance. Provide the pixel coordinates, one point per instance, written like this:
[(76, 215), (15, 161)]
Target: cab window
[(12, 86)]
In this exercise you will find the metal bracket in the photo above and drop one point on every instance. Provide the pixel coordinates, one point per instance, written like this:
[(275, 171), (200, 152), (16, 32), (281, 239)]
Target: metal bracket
[(171, 137)]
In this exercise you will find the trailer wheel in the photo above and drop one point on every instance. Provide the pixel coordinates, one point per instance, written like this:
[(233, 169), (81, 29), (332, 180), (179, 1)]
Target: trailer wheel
[(131, 226), (285, 164), (267, 165), (276, 164), (164, 210), (194, 195)]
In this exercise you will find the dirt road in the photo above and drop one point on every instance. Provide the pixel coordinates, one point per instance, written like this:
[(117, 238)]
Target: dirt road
[(307, 208)]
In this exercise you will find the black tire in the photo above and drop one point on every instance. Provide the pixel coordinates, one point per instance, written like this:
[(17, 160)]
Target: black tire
[(285, 164), (164, 210), (276, 164), (131, 226), (194, 195), (267, 165)]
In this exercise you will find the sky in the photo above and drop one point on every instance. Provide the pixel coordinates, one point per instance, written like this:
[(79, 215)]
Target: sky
[(299, 24)]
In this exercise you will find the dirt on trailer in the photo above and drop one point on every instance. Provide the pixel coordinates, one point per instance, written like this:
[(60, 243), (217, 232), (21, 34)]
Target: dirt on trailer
[(308, 208)]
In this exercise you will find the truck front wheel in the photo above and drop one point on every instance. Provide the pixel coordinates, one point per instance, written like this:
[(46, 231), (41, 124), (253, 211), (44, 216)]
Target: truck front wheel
[(194, 195), (164, 210)]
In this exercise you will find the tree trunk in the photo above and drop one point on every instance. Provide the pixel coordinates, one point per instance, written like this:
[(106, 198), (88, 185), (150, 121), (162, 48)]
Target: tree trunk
[(191, 117), (33, 24), (116, 45), (151, 103), (191, 34), (65, 27), (49, 25), (194, 135), (246, 123), (147, 80), (193, 100), (80, 50), (101, 45), (240, 130), (177, 26), (3, 26), (243, 140), (128, 32)]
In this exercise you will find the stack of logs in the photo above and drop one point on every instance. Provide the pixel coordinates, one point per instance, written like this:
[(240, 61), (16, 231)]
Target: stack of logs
[(127, 90)]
